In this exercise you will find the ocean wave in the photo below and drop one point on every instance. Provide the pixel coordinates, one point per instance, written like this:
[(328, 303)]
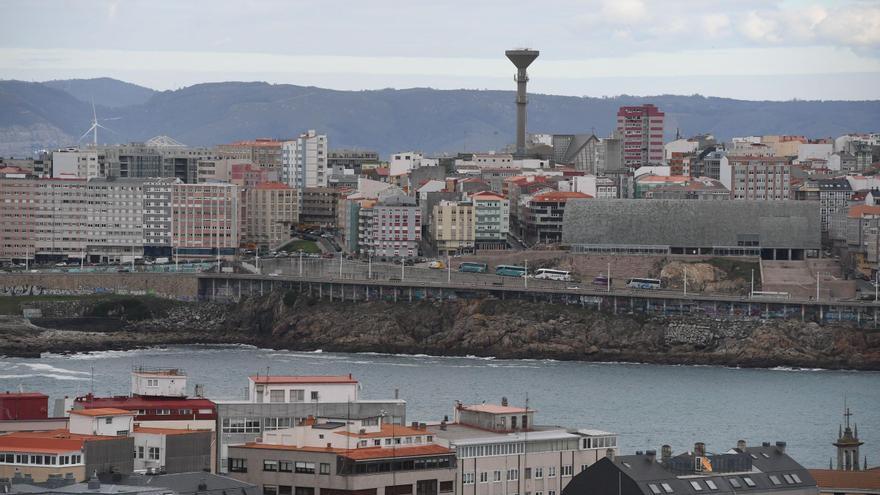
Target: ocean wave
[(789, 368), (56, 377), (48, 368)]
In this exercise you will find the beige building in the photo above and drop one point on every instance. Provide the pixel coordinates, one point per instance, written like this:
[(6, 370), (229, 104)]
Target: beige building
[(270, 210), (756, 177), (500, 450), (205, 220), (453, 227), (346, 457), (212, 169)]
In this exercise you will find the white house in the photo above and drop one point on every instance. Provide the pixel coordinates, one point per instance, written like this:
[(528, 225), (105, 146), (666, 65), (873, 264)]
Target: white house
[(106, 421), (329, 388)]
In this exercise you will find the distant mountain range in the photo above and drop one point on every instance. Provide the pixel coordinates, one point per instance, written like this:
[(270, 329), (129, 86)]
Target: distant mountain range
[(56, 113)]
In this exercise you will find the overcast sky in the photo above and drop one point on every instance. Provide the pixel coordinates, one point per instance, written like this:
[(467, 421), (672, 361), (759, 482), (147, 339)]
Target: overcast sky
[(750, 49)]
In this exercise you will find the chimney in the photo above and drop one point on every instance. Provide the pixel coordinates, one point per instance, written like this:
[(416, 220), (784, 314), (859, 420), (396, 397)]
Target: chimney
[(639, 452), (741, 445), (423, 426), (651, 455), (780, 447), (700, 449), (609, 453), (443, 424), (396, 393), (504, 401), (665, 453), (765, 444), (414, 425), (94, 483)]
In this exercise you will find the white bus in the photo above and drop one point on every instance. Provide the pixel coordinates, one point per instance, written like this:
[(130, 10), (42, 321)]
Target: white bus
[(551, 274), (643, 283)]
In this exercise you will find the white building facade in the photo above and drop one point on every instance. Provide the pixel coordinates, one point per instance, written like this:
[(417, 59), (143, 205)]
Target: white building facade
[(304, 161)]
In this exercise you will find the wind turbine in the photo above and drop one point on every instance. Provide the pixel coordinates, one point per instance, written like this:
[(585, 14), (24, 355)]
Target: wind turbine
[(94, 128)]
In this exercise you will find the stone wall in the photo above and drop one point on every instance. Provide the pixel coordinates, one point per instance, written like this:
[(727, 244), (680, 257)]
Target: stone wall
[(181, 286)]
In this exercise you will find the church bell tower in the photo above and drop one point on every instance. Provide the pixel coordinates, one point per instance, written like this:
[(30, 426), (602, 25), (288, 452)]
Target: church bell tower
[(848, 445)]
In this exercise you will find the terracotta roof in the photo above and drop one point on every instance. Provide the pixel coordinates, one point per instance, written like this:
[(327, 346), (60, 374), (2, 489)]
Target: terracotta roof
[(272, 185), (496, 409), (138, 402), (844, 481), (387, 431), (488, 194), (359, 454), (46, 442), (102, 411), (7, 395), (304, 379), (858, 211), (679, 179), (560, 196), (166, 431)]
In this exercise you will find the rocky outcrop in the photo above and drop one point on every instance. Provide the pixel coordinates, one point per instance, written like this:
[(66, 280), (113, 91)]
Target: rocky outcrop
[(485, 327)]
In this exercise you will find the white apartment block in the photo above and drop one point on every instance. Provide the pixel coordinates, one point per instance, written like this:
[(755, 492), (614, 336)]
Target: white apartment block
[(756, 177), (72, 163), (304, 161), (325, 388), (500, 450), (597, 187), (491, 218)]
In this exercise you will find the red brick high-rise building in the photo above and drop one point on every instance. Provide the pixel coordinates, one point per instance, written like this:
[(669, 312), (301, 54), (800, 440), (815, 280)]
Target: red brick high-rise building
[(641, 129)]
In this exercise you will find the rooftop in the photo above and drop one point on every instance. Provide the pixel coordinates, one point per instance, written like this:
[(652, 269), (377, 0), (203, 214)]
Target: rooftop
[(166, 431), (459, 434), (359, 454), (33, 395), (560, 196), (496, 409), (386, 431), (847, 481), (46, 442), (859, 211), (102, 411), (303, 379)]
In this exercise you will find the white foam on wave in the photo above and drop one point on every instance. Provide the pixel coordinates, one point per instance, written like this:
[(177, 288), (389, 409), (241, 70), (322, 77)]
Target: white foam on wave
[(47, 375), (48, 368)]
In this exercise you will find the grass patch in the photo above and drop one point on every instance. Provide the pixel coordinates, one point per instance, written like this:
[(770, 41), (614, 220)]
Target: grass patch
[(738, 269), (308, 247)]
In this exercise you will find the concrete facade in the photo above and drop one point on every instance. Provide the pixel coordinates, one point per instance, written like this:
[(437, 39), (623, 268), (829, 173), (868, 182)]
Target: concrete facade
[(304, 161), (271, 209), (453, 227), (697, 227)]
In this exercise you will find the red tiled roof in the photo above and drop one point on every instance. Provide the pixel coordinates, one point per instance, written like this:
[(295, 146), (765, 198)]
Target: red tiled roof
[(487, 194), (166, 431), (560, 196), (304, 379), (102, 411), (359, 454), (858, 211), (844, 481), (138, 402), (46, 442), (272, 185), (6, 395)]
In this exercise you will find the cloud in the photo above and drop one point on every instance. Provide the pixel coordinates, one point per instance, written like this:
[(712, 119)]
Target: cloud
[(623, 12), (859, 27), (714, 25), (759, 27)]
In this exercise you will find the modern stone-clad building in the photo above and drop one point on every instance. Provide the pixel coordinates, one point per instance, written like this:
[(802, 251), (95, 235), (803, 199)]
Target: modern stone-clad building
[(783, 230)]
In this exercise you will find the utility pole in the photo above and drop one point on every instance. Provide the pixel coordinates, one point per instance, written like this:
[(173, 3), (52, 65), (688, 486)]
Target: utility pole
[(340, 265), (526, 275), (300, 263), (685, 280), (369, 267), (608, 285), (402, 268), (448, 270), (817, 286), (876, 284), (752, 291)]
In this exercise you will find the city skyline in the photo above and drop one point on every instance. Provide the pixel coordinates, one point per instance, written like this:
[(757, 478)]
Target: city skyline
[(747, 50)]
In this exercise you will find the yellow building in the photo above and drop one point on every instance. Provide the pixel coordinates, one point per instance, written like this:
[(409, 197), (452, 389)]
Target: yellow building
[(453, 227)]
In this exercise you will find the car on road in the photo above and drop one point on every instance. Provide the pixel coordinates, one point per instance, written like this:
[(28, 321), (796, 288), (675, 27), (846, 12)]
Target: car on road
[(437, 265)]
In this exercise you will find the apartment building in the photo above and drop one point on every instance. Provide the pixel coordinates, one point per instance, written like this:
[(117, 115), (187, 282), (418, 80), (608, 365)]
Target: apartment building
[(160, 156), (304, 161), (641, 131), (500, 449), (346, 457), (263, 152), (453, 227), (218, 169), (544, 217), (206, 220), (157, 217), (318, 206), (491, 220), (597, 187), (756, 177), (279, 402), (351, 159), (271, 209), (73, 163), (392, 227)]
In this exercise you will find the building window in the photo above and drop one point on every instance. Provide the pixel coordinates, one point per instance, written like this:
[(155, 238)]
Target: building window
[(551, 472), (496, 476), (539, 473), (468, 478), (237, 465), (314, 395), (276, 396), (154, 453), (512, 474), (108, 421), (270, 489), (325, 468), (285, 490), (140, 452), (269, 465), (304, 490), (285, 466), (566, 470), (446, 486), (304, 467)]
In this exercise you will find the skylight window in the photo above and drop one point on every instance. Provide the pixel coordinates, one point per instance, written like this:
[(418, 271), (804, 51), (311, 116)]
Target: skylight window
[(749, 481), (734, 482), (765, 455), (697, 486), (666, 487), (775, 479), (753, 456), (788, 479), (654, 488), (711, 484), (796, 478)]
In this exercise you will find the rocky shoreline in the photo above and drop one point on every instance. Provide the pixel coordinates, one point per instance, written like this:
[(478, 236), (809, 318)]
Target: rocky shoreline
[(486, 327)]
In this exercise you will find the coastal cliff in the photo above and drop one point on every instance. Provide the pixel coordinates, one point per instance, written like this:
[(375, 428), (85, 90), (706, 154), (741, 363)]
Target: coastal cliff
[(484, 327)]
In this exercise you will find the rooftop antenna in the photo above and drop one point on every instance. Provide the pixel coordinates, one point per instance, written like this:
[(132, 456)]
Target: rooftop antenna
[(521, 58)]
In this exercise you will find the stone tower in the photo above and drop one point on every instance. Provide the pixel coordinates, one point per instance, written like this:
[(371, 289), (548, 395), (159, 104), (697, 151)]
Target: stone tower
[(848, 446)]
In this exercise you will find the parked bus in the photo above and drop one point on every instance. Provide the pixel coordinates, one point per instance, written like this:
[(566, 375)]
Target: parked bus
[(473, 267), (600, 280), (643, 283), (553, 274), (510, 271)]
